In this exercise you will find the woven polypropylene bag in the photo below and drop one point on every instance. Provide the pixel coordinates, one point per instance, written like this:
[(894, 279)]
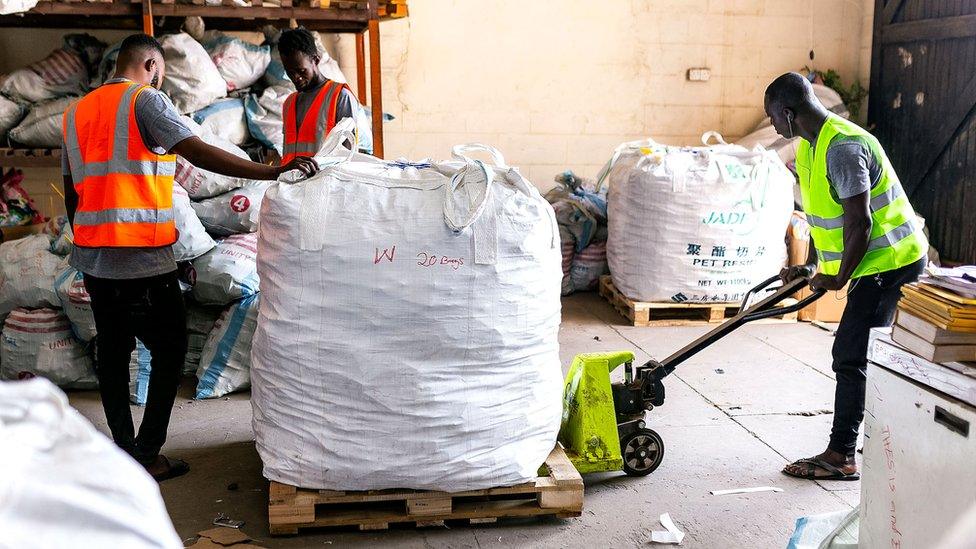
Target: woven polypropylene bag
[(407, 334)]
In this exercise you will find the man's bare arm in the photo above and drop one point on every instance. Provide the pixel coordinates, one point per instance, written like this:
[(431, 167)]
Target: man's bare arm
[(217, 160), (857, 233)]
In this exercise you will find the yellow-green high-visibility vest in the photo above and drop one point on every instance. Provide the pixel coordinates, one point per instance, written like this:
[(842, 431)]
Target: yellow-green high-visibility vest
[(896, 235)]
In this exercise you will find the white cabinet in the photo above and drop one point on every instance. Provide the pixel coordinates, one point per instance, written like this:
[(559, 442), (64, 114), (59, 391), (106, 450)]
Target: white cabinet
[(919, 464)]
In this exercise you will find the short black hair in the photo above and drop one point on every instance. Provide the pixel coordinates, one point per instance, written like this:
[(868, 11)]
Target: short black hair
[(297, 40), (791, 90), (139, 43)]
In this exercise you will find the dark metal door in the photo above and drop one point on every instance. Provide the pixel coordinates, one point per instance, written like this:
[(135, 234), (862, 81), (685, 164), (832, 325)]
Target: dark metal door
[(923, 93)]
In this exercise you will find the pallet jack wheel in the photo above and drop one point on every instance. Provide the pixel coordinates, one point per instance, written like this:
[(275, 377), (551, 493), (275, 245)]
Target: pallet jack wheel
[(642, 451)]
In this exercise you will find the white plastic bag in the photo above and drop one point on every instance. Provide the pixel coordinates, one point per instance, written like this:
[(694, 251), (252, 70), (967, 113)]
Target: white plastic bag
[(838, 530), (240, 63), (192, 239), (11, 113), (42, 126), (409, 307), (76, 303), (263, 112), (27, 273), (228, 272), (234, 212), (696, 224), (225, 119), (40, 342), (200, 183), (66, 485), (225, 364), (192, 80)]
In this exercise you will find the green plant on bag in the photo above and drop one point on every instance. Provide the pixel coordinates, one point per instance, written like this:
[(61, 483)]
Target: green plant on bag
[(852, 96)]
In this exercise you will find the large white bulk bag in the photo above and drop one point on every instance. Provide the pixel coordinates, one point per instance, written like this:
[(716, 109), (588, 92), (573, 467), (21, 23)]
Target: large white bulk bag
[(407, 334), (226, 273), (11, 113), (192, 239), (225, 119), (234, 212), (263, 112), (225, 364), (74, 300), (696, 224), (240, 63), (40, 342), (67, 485), (200, 183), (42, 125), (27, 272), (192, 80)]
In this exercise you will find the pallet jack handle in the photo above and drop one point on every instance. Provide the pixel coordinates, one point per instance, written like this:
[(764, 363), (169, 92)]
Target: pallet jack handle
[(765, 308)]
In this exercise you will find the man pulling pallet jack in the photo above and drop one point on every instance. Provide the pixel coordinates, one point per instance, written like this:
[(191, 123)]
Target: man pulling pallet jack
[(864, 231)]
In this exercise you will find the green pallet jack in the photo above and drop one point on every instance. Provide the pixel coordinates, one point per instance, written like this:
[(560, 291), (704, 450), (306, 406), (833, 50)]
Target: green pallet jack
[(603, 427)]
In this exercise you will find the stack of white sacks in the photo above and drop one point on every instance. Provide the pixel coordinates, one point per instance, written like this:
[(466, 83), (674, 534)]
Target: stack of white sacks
[(234, 88), (231, 93)]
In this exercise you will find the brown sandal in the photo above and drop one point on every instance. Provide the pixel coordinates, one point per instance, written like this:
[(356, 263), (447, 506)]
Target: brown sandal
[(836, 473)]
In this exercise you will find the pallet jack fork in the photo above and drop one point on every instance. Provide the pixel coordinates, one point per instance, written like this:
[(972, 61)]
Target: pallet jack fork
[(603, 427)]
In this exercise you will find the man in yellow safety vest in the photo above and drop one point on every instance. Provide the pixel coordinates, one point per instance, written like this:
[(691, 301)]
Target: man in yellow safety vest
[(864, 230)]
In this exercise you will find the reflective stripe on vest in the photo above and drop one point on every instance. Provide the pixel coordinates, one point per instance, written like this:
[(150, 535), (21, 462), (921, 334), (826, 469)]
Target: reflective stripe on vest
[(307, 139), (896, 237), (125, 190), (889, 195)]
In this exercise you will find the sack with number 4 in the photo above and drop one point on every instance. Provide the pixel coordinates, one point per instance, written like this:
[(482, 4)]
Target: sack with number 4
[(235, 212)]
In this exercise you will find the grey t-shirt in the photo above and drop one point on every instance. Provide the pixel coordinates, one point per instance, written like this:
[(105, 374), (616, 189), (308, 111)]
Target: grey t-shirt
[(851, 167), (161, 129)]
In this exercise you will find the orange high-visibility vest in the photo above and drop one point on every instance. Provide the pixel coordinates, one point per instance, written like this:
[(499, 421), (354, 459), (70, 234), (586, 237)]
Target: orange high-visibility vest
[(318, 122), (125, 191)]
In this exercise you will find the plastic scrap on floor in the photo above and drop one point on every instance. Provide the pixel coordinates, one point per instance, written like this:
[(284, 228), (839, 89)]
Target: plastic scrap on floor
[(671, 536), (746, 490), (225, 521), (838, 530)]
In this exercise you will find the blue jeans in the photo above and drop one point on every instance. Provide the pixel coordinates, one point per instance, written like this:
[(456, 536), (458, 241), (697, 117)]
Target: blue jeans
[(871, 303)]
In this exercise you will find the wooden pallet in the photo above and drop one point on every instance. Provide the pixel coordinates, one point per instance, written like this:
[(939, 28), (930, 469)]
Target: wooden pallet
[(558, 491), (644, 313), (30, 158)]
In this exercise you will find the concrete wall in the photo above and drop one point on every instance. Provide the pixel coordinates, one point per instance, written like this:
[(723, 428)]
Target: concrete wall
[(557, 84)]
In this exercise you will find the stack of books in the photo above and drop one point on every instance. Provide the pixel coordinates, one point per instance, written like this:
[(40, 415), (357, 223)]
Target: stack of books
[(936, 318)]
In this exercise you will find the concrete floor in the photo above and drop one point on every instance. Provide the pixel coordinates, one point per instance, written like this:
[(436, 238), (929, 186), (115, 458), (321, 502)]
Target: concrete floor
[(734, 415)]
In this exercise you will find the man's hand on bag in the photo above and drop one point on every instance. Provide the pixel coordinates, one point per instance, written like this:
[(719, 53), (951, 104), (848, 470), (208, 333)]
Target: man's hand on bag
[(789, 274), (826, 282), (304, 164)]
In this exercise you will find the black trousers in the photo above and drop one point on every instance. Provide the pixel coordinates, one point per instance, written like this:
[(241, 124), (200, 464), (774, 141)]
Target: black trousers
[(152, 310), (871, 303)]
